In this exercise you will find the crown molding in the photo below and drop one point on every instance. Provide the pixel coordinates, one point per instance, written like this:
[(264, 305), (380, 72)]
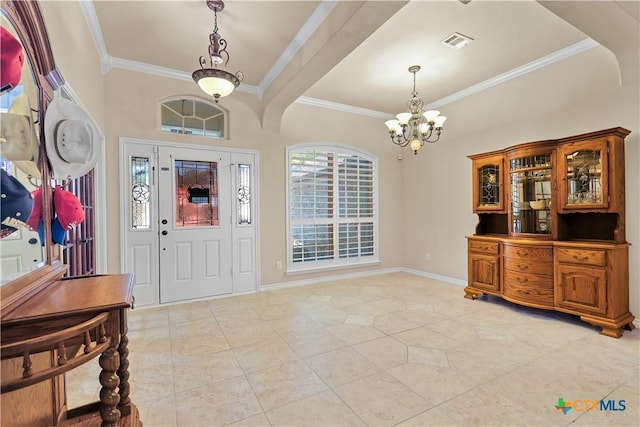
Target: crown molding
[(324, 8), (321, 103), (306, 31), (530, 67), (142, 67), (91, 18)]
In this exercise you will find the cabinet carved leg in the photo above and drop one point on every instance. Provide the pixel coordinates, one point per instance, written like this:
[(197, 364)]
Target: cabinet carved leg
[(109, 397), (470, 294), (123, 374), (611, 328)]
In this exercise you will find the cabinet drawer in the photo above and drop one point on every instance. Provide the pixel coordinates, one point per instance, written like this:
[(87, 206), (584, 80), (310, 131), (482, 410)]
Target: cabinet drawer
[(582, 256), (532, 253), (533, 289), (519, 265), (484, 247)]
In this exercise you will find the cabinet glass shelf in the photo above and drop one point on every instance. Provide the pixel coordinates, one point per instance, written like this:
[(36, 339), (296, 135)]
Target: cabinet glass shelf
[(531, 194)]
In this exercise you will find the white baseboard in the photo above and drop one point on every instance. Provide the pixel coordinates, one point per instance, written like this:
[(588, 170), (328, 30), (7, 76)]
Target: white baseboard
[(305, 282), (295, 283), (445, 279)]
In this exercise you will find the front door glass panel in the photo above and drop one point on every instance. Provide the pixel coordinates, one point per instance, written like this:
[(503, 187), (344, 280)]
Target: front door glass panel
[(196, 195)]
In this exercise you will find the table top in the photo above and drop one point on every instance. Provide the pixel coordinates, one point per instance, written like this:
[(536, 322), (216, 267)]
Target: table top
[(75, 296)]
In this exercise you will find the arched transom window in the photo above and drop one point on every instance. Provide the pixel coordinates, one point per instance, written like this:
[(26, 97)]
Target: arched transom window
[(192, 117)]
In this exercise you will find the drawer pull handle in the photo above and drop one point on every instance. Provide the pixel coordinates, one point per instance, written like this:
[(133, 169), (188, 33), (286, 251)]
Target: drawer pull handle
[(520, 253), (523, 279), (523, 267), (581, 258)]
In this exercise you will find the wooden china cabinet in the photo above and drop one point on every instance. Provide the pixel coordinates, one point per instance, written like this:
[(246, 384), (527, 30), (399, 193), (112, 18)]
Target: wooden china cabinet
[(51, 325), (551, 228)]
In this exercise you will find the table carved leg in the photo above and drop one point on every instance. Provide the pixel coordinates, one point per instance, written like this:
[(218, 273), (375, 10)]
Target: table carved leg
[(123, 374), (109, 397)]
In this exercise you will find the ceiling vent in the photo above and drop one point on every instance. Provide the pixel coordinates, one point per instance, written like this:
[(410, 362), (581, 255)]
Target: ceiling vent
[(457, 41)]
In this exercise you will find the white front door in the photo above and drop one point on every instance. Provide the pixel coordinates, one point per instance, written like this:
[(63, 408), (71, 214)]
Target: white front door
[(188, 221), (195, 223)]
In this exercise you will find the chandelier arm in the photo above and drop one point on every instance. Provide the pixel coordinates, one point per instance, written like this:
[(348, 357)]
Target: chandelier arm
[(222, 46), (398, 141), (425, 137), (438, 132)]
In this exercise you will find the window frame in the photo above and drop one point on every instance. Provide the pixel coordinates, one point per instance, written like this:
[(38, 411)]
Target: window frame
[(336, 262), (225, 116)]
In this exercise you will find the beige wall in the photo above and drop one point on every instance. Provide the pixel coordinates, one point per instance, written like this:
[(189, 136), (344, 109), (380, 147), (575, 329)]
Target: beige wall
[(75, 54), (439, 215), (424, 200), (133, 111)]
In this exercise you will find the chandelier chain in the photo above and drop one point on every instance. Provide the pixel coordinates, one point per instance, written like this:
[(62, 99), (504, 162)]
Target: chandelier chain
[(212, 77)]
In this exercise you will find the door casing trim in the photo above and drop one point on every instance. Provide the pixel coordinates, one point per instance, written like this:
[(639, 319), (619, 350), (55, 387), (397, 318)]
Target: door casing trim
[(124, 140)]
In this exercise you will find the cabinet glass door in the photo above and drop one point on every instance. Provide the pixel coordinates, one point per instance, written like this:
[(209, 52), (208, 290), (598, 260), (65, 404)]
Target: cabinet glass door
[(531, 194), (488, 185), (585, 176)]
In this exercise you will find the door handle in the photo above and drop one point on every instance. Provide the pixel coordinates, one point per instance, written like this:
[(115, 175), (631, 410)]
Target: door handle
[(165, 232)]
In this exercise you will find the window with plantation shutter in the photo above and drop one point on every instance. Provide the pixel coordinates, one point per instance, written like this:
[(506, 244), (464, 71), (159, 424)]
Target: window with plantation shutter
[(331, 205)]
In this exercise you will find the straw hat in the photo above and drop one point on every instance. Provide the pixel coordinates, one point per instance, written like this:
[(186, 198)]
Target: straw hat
[(18, 140)]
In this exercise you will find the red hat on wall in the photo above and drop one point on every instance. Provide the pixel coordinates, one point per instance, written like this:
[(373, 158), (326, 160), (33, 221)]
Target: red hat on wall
[(12, 58), (36, 213), (69, 212)]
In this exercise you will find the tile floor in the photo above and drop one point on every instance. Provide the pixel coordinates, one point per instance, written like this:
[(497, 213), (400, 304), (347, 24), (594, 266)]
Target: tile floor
[(393, 349)]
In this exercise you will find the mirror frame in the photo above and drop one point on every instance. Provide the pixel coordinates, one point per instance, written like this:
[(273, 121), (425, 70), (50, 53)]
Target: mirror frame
[(26, 18)]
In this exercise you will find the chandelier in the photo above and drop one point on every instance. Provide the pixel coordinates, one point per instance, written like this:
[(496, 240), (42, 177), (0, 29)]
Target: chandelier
[(416, 126), (215, 81)]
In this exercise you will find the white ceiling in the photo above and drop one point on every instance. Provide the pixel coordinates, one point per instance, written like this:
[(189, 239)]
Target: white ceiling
[(356, 53)]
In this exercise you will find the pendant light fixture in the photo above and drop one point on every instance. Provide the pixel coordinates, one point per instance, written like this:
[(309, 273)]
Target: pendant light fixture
[(216, 82), (416, 126)]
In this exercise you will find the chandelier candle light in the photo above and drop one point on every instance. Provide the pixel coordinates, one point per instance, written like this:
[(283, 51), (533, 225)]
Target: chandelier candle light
[(416, 126), (215, 81)]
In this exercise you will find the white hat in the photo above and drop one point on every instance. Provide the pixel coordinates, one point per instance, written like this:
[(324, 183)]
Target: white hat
[(72, 139), (18, 140)]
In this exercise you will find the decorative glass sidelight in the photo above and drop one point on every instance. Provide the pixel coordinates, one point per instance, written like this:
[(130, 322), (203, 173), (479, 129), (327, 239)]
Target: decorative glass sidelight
[(196, 193), (140, 193), (243, 192)]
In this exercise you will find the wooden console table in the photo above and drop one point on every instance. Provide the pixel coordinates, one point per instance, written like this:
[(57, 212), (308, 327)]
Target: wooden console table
[(70, 322)]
